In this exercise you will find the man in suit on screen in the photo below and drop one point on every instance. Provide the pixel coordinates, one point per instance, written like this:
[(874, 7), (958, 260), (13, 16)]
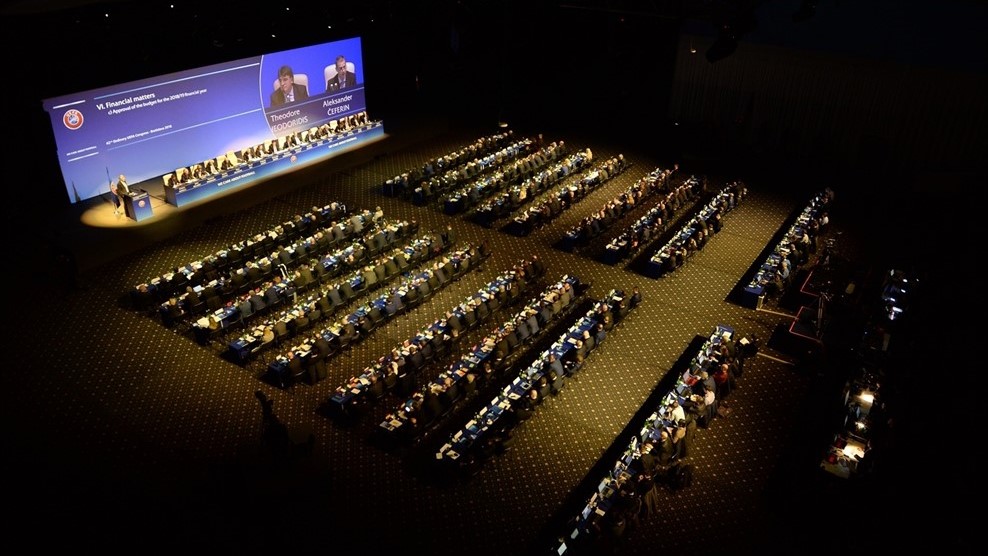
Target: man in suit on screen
[(343, 79), (287, 91)]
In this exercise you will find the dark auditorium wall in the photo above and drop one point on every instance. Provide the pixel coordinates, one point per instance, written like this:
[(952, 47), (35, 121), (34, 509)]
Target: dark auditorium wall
[(886, 87), (890, 89)]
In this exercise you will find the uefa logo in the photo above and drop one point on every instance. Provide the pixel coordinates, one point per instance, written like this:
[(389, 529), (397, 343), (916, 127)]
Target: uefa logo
[(72, 119)]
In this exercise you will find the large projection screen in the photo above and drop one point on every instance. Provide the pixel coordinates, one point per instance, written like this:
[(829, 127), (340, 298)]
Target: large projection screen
[(147, 128)]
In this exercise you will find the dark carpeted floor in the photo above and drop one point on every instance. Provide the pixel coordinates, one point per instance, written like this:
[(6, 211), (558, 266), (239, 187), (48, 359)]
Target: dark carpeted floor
[(126, 435)]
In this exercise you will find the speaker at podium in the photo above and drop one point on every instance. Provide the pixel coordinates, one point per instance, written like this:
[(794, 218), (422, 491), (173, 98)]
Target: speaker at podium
[(137, 205)]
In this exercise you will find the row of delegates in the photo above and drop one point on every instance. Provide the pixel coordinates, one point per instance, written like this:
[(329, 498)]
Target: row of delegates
[(230, 161), (402, 184)]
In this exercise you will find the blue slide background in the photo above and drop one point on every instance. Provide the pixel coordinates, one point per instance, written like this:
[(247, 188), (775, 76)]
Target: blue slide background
[(179, 119)]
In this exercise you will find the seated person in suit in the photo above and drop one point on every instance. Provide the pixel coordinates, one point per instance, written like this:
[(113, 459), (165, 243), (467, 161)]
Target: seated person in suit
[(287, 91), (524, 407), (245, 308), (343, 79)]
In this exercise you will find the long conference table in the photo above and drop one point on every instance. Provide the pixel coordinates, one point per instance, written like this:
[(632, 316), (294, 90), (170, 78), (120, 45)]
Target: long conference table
[(629, 464), (754, 292), (277, 163), (344, 395), (470, 361), (486, 419)]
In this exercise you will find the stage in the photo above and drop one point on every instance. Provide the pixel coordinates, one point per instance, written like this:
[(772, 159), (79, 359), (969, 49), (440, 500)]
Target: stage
[(95, 232)]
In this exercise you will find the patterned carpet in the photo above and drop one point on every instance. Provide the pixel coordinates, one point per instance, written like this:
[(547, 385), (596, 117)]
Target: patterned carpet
[(126, 434)]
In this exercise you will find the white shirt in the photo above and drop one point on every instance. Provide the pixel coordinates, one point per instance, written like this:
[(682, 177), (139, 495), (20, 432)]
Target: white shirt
[(678, 414)]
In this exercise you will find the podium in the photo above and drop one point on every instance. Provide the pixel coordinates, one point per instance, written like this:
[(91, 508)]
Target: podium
[(137, 205)]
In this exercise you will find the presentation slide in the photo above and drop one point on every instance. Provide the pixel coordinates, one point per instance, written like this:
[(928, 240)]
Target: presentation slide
[(148, 128)]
